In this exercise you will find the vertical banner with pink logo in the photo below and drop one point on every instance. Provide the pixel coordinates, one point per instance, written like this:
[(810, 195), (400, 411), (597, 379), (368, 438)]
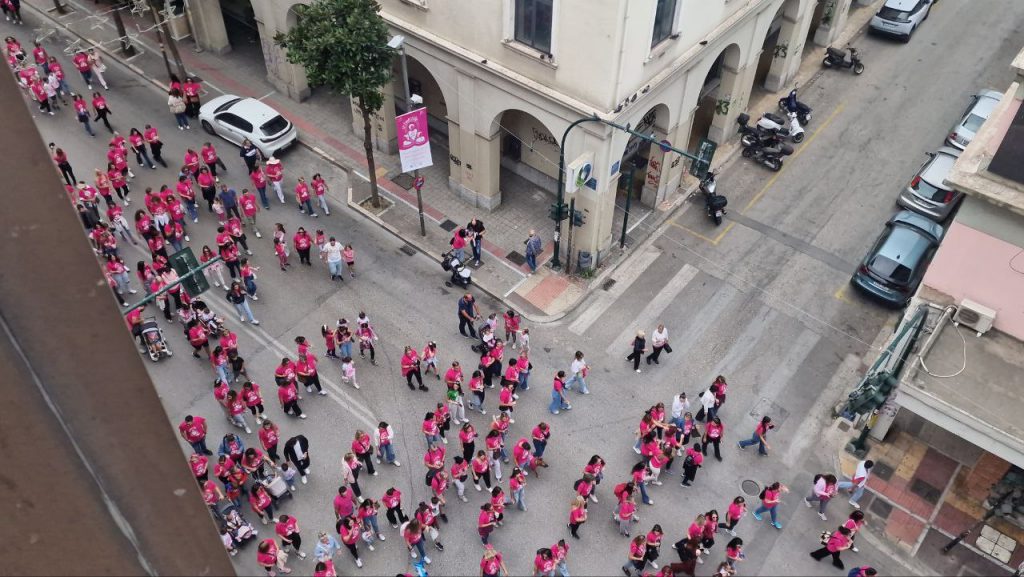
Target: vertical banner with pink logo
[(413, 140)]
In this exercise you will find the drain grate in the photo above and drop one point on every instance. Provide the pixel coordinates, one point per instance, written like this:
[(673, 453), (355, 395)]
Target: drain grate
[(882, 471), (880, 508), (408, 249), (404, 180), (608, 284), (448, 225), (751, 488), (926, 491), (516, 258)]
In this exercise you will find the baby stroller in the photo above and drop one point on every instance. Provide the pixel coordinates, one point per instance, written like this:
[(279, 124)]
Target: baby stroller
[(461, 275), (274, 483), (241, 530), (153, 336)]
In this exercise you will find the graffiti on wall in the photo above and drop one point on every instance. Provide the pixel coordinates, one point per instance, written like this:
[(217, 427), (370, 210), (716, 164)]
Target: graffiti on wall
[(653, 172), (781, 50), (722, 105), (539, 136)]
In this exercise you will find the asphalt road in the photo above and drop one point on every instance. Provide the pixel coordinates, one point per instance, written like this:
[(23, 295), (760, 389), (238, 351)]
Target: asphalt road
[(762, 300)]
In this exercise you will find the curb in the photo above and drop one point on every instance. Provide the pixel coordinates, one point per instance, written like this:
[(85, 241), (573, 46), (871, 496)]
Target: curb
[(421, 249)]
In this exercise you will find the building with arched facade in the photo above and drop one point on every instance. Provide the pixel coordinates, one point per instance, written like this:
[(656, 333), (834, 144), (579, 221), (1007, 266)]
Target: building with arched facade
[(502, 79)]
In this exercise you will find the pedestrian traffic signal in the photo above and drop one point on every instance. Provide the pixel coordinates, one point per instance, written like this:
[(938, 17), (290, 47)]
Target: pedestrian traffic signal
[(578, 218), (558, 212), (184, 262)]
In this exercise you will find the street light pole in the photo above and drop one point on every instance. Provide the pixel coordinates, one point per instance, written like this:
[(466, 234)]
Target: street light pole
[(163, 34), (415, 173)]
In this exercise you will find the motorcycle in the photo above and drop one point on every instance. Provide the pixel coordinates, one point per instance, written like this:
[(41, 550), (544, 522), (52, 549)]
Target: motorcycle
[(770, 155), (791, 104), (772, 123), (835, 58), (753, 136), (714, 204)]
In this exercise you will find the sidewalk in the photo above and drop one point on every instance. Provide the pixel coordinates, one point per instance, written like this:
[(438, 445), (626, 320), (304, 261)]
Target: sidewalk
[(325, 126), (925, 488)]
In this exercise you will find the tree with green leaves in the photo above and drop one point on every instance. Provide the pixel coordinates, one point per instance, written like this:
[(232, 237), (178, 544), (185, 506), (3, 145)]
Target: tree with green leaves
[(343, 45)]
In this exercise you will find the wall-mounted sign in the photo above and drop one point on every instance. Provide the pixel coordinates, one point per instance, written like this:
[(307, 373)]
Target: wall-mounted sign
[(413, 140)]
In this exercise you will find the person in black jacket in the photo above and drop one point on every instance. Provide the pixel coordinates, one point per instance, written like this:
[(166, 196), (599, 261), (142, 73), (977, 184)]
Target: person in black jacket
[(639, 348), (296, 452), (237, 297)]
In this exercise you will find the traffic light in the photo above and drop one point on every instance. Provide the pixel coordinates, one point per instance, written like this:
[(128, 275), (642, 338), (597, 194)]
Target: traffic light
[(578, 218), (558, 212), (183, 262)]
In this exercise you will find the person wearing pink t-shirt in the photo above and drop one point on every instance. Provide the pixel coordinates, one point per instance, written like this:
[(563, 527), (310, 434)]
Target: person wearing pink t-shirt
[(320, 190), (303, 198), (268, 556), (275, 174)]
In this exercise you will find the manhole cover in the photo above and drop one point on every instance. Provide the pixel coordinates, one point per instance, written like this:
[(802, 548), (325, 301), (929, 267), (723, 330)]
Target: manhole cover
[(751, 488), (449, 225), (407, 249)]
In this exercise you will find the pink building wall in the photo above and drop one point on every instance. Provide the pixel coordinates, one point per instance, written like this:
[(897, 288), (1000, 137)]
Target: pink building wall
[(971, 264)]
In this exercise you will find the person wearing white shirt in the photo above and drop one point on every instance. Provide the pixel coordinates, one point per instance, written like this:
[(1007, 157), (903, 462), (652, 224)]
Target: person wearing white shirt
[(707, 401), (332, 250), (858, 483), (680, 406), (579, 369), (659, 340)]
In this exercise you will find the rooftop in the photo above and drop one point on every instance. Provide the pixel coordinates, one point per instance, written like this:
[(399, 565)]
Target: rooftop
[(982, 403), (991, 167)]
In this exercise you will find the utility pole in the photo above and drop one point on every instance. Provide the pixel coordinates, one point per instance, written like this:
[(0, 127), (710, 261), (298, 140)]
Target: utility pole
[(163, 35), (409, 107)]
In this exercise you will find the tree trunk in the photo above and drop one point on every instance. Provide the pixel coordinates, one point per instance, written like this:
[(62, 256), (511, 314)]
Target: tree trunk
[(126, 46), (368, 145)]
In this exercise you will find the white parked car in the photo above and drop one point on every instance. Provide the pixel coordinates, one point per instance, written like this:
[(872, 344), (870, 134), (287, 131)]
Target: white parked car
[(980, 108), (900, 18), (235, 119)]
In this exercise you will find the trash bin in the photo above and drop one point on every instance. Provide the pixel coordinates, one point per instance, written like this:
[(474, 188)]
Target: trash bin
[(585, 261)]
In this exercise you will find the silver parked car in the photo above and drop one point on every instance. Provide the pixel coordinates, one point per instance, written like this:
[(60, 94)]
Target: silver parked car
[(928, 193), (236, 119), (978, 111)]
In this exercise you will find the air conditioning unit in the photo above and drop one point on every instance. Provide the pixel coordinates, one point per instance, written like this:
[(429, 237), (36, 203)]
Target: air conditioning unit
[(978, 318)]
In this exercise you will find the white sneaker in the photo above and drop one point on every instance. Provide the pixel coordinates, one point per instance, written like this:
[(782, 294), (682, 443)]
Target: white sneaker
[(247, 431), (464, 499), (241, 319), (359, 562), (426, 560), (638, 370), (445, 441), (302, 416), (305, 479), (187, 239), (854, 505), (823, 517), (303, 555), (132, 291), (323, 393), (806, 502), (370, 547), (255, 298), (397, 464), (255, 322)]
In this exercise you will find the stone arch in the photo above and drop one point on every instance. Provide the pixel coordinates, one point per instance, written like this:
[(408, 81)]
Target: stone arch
[(782, 49), (717, 94), (647, 159), (528, 152)]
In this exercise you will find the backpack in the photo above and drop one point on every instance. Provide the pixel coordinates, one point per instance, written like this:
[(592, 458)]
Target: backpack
[(576, 485), (689, 462), (761, 495)]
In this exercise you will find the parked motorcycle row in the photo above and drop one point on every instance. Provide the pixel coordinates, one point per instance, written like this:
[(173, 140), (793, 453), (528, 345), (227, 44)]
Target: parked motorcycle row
[(765, 141)]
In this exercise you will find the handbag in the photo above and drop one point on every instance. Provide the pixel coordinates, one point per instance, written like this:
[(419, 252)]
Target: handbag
[(825, 536), (700, 414), (667, 348)]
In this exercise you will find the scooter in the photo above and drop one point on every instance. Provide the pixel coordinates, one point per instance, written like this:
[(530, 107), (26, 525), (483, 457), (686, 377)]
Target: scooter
[(835, 58), (770, 155), (753, 136), (791, 104), (772, 123), (714, 204)]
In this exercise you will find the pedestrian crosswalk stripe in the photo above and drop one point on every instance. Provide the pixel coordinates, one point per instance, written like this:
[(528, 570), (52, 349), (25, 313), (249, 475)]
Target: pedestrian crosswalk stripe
[(624, 278), (647, 319)]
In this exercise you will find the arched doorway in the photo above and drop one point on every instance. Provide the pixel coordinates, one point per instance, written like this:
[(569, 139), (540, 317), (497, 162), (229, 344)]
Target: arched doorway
[(529, 156), (715, 101), (781, 50), (244, 33), (423, 84)]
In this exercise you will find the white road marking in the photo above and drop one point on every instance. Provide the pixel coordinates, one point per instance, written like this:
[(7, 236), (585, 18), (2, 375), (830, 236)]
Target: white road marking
[(624, 278), (647, 318), (819, 414), (271, 93), (336, 393)]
